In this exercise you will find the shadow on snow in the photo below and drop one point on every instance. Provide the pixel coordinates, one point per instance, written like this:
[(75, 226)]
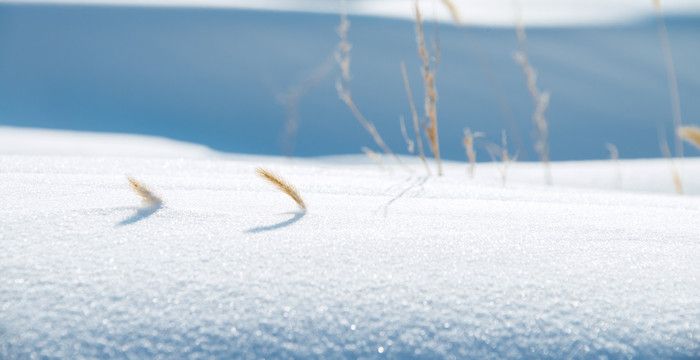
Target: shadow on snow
[(296, 216)]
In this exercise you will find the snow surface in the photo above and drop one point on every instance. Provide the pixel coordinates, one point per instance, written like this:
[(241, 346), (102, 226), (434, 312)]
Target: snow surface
[(384, 264)]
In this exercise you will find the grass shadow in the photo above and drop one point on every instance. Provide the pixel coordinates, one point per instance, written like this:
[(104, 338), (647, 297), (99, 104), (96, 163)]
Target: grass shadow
[(296, 216), (418, 183), (140, 214)]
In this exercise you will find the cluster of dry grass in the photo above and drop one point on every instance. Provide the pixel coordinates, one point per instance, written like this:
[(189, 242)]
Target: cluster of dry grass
[(343, 58), (152, 203), (427, 123)]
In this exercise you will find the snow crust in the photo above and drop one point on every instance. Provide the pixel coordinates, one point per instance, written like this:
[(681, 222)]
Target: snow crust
[(384, 264)]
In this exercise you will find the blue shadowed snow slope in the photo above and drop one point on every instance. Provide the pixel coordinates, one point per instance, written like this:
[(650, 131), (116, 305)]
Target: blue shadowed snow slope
[(213, 76)]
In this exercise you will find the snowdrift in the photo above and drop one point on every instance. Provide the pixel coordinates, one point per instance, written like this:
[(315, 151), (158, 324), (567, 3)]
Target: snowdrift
[(384, 264)]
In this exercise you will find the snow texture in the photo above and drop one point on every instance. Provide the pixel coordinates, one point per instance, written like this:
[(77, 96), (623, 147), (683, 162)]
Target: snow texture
[(384, 264)]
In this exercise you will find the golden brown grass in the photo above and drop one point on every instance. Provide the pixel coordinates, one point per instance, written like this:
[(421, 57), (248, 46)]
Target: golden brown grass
[(147, 196), (414, 117), (282, 185), (539, 98), (428, 73), (691, 134)]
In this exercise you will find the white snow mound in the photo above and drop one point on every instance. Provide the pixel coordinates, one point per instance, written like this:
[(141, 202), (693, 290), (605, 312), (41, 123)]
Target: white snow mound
[(384, 264)]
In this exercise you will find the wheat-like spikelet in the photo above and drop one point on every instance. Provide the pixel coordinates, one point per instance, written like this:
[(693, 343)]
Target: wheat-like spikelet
[(282, 185), (431, 130), (144, 193), (690, 134)]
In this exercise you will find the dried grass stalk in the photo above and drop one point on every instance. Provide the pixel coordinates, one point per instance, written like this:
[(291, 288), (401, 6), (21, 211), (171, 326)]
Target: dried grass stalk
[(468, 141), (453, 10), (282, 185), (147, 196), (431, 130), (540, 100), (414, 117), (690, 134), (342, 56)]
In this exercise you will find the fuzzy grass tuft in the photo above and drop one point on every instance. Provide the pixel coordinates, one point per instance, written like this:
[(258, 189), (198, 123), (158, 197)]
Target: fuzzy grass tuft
[(147, 196), (282, 185)]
